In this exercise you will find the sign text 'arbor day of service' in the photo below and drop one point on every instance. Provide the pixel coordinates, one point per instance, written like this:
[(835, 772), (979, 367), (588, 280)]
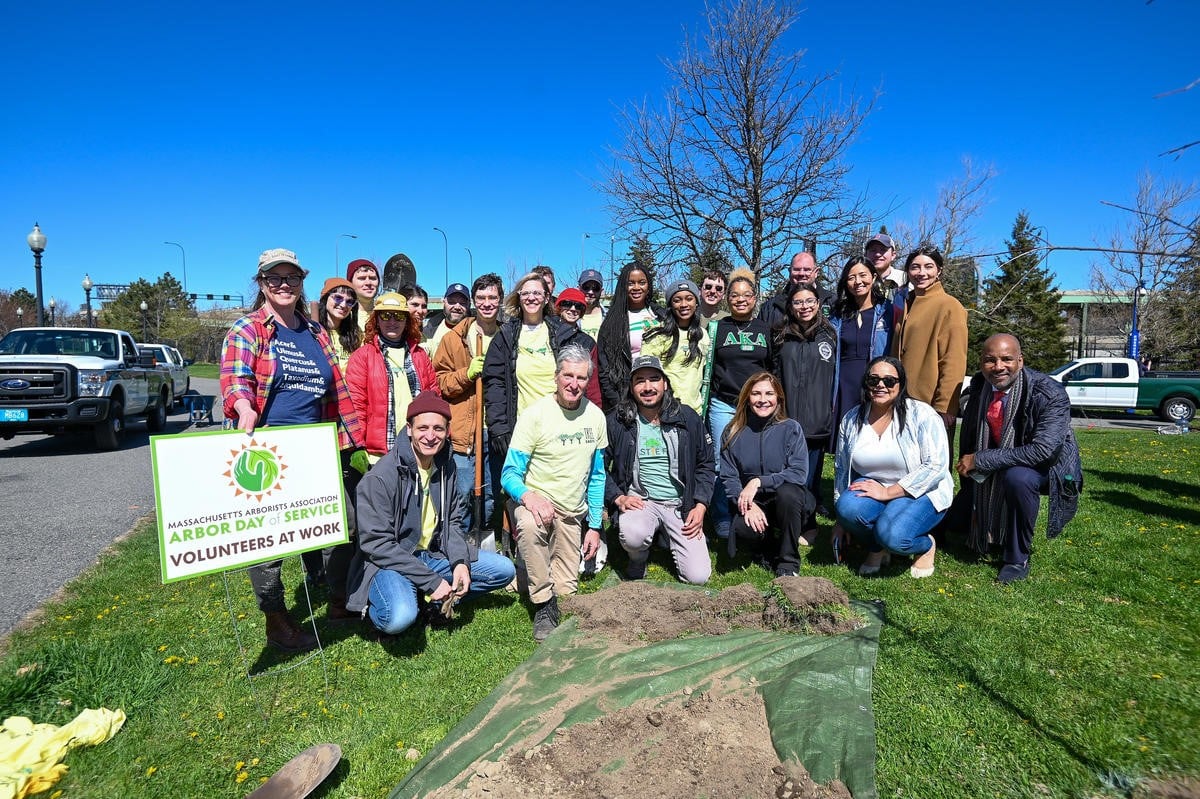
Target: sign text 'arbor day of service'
[(227, 500)]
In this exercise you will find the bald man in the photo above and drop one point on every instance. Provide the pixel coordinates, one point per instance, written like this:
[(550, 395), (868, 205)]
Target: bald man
[(803, 270), (1016, 445)]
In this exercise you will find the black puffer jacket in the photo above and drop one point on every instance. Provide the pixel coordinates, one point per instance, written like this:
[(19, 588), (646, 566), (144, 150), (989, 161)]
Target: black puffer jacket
[(693, 467), (807, 369)]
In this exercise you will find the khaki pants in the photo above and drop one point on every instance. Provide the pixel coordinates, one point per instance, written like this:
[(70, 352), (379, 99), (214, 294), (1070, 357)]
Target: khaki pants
[(551, 554)]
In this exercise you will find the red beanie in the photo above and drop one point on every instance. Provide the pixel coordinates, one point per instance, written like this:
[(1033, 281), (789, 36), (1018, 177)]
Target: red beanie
[(355, 265), (428, 402)]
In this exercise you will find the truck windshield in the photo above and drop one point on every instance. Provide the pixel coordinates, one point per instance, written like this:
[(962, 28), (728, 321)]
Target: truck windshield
[(96, 343)]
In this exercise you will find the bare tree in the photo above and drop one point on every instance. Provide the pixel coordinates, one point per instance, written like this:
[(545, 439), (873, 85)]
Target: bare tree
[(748, 146), (1160, 248), (949, 224)]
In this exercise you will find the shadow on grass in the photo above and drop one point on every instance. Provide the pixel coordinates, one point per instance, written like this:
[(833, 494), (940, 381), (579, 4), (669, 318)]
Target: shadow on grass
[(1140, 501), (933, 645)]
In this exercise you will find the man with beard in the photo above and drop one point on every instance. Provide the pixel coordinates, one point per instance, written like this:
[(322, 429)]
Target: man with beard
[(661, 474), (456, 304), (458, 362), (554, 476), (880, 250), (1017, 444), (802, 271), (410, 528)]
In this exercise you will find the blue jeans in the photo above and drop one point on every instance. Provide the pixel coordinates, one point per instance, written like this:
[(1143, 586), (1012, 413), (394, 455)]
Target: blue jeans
[(900, 525), (465, 464), (720, 415), (393, 597)]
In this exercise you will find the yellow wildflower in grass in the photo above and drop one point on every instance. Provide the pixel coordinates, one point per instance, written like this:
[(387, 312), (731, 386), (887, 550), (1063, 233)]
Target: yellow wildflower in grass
[(242, 776), (173, 660), (239, 765), (150, 771), (220, 715), (162, 648)]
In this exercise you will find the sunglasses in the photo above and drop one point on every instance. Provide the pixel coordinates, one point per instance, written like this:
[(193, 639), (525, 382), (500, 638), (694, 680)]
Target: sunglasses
[(578, 307), (392, 316), (275, 281), (342, 299), (887, 380)]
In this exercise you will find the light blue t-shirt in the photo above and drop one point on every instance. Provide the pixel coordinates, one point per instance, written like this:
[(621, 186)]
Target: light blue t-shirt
[(654, 463)]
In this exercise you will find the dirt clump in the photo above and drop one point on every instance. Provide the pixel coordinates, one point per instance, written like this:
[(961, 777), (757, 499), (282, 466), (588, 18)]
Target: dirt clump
[(647, 611), (1168, 788), (691, 744)]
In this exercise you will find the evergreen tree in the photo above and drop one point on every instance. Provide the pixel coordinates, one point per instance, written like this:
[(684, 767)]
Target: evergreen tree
[(714, 254), (1021, 299), (165, 300)]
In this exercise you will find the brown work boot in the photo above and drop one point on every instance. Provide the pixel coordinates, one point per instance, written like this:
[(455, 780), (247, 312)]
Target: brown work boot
[(284, 633), (336, 612)]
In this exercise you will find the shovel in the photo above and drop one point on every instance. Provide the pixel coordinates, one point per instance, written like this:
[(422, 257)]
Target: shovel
[(301, 775), (479, 532)]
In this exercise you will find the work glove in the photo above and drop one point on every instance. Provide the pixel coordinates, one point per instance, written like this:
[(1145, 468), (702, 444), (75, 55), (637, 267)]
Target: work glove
[(359, 462), (475, 367)]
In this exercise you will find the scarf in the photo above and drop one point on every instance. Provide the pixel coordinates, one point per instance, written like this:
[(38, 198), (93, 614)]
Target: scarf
[(414, 384), (989, 521)]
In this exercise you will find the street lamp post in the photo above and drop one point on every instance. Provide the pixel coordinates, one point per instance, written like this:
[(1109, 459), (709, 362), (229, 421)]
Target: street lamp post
[(53, 317), (446, 253), (471, 258), (144, 308), (20, 316), (337, 261), (1135, 335), (183, 253), (37, 242), (87, 293)]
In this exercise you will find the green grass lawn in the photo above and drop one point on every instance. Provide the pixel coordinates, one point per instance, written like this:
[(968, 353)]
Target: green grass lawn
[(1078, 682)]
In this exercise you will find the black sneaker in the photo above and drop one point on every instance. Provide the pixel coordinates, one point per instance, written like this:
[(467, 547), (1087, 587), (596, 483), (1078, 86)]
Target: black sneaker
[(636, 570), (1012, 572), (545, 620)]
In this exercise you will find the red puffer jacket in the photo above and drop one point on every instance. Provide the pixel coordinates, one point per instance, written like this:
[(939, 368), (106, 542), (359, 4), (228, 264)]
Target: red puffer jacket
[(371, 389)]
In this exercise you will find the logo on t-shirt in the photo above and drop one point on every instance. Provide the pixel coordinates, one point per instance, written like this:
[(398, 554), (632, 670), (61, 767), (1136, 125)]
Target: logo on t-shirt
[(745, 341)]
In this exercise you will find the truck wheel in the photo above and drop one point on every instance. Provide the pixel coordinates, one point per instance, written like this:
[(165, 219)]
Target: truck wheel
[(108, 433), (1176, 409), (156, 417)]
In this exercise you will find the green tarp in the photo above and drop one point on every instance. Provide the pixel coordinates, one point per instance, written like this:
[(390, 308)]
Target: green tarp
[(817, 692)]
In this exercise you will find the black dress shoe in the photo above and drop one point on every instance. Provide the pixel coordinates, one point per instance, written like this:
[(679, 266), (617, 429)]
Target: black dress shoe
[(1012, 572)]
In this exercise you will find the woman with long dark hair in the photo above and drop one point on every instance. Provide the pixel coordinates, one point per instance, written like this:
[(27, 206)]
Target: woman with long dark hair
[(806, 362), (892, 480), (261, 389), (764, 467), (632, 312), (862, 321), (931, 340), (337, 312), (681, 344)]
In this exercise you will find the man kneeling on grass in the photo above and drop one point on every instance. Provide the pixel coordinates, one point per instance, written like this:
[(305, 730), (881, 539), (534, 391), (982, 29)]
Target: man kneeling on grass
[(554, 474), (410, 528)]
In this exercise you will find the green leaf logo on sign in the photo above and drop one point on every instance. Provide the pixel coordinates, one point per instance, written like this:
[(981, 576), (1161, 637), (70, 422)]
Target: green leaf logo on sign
[(255, 470)]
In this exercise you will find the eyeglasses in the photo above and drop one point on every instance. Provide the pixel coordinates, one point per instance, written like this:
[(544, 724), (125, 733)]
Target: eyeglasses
[(275, 281), (742, 296), (577, 307), (532, 295), (342, 299), (887, 380), (809, 303), (391, 316)]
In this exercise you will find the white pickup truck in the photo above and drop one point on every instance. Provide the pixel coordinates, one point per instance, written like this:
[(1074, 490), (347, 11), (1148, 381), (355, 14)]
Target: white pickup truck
[(57, 379), (1117, 383)]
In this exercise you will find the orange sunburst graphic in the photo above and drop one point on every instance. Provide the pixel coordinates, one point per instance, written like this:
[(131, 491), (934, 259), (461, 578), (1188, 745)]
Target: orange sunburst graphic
[(255, 470)]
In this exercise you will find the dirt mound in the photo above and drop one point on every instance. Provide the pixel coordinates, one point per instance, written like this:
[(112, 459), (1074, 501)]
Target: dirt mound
[(646, 611), (691, 745), (1169, 788)]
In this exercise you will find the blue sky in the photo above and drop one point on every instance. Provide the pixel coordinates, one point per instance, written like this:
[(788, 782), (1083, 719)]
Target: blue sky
[(231, 128)]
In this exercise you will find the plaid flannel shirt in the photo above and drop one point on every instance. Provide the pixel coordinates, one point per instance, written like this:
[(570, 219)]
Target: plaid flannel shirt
[(248, 371)]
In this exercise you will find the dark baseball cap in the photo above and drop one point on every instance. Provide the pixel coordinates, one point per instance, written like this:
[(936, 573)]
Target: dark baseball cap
[(646, 362), (457, 288), (883, 239), (590, 276)]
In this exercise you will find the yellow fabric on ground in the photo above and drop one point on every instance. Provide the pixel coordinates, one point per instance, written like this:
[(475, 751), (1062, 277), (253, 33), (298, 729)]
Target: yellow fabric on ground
[(30, 753)]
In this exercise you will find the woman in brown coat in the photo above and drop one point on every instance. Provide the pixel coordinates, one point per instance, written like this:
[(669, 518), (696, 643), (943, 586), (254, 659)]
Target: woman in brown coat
[(931, 339)]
